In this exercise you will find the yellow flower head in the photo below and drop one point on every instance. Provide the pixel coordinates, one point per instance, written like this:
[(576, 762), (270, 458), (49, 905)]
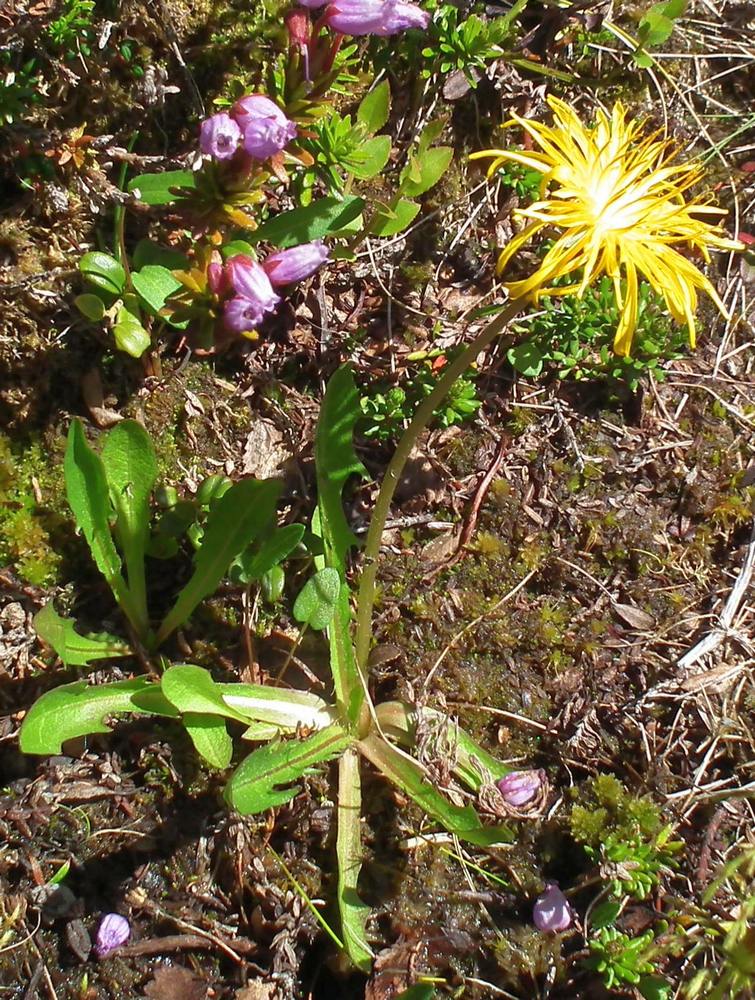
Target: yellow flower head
[(619, 202)]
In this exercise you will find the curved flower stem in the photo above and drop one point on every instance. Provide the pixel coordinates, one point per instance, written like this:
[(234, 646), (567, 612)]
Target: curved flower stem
[(420, 420)]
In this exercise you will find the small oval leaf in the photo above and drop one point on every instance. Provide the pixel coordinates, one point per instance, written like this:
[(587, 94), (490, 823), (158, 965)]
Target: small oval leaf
[(316, 604)]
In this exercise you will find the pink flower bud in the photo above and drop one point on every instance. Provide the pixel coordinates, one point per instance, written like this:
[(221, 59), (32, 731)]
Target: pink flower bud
[(114, 930), (374, 17), (216, 279), (296, 264), (551, 912), (265, 128), (219, 136), (299, 28), (519, 787)]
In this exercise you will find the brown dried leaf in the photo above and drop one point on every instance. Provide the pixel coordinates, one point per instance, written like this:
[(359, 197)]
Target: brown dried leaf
[(175, 983), (258, 989), (265, 451), (634, 617), (91, 390), (441, 548)]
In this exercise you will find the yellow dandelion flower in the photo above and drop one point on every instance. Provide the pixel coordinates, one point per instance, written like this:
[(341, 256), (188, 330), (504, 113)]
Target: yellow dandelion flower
[(619, 200)]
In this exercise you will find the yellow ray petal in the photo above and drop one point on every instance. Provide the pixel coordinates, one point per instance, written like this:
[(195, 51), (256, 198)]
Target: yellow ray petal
[(615, 196)]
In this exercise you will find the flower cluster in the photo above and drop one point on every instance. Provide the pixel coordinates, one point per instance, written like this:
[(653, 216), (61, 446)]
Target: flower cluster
[(247, 287), (618, 205), (370, 17), (255, 124)]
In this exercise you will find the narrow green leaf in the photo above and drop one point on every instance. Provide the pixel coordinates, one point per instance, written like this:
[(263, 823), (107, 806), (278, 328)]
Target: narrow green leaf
[(394, 218), (192, 689), (160, 189), (354, 912), (373, 111), (128, 332), (310, 904), (315, 605), (154, 285), (103, 271), (243, 511), (76, 650), (263, 780), (130, 467), (79, 709), (301, 225), (412, 779), (277, 706), (252, 565), (89, 499), (210, 737), (336, 461), (426, 171)]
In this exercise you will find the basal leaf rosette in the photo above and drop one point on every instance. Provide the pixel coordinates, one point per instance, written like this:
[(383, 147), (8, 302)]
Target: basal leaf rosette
[(618, 201)]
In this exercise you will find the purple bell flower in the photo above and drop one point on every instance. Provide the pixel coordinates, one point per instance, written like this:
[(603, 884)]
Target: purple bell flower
[(114, 930), (296, 264), (247, 278), (551, 912), (520, 787), (265, 128), (313, 3), (374, 17), (219, 136), (241, 315)]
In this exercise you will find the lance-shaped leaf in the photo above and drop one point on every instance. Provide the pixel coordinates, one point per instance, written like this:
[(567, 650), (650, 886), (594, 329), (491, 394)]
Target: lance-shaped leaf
[(160, 189), (263, 780), (89, 499), (277, 706), (336, 461), (76, 650), (192, 689), (131, 470), (78, 709), (313, 222), (210, 737), (374, 109), (233, 523), (354, 912), (412, 779)]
